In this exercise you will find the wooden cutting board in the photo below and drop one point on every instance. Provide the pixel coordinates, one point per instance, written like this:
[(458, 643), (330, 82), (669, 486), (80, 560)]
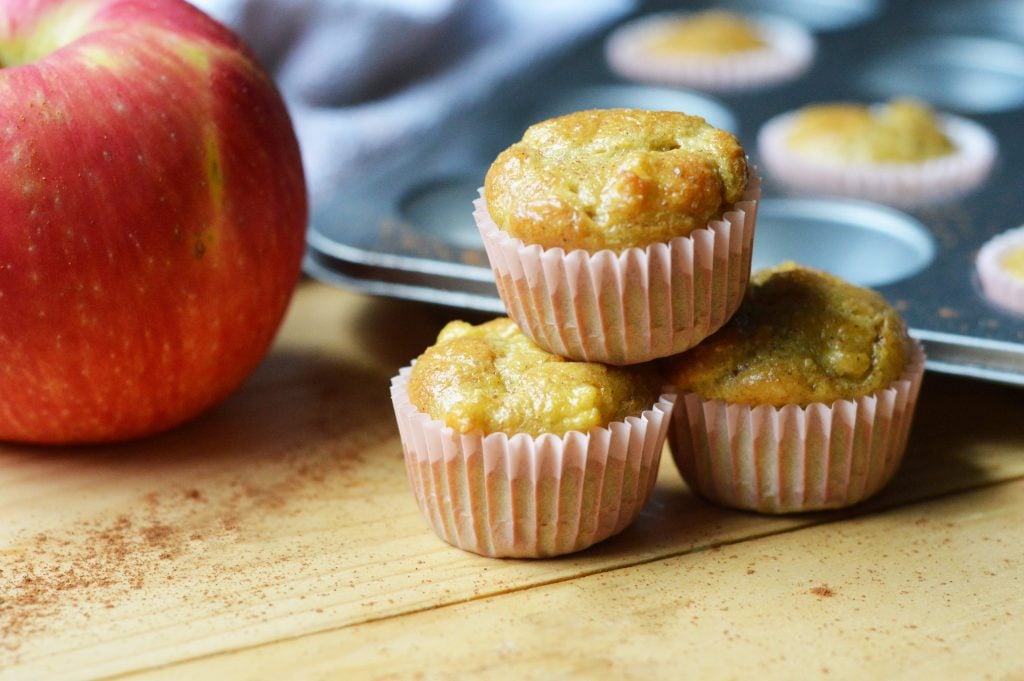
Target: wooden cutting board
[(280, 527)]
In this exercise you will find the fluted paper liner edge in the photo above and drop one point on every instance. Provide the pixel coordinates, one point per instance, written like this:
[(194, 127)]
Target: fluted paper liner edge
[(793, 459), (631, 307), (528, 497)]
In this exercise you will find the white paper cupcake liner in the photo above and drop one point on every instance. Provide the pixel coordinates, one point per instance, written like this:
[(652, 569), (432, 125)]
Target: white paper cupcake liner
[(998, 285), (905, 185), (630, 307), (528, 497), (792, 459), (789, 52)]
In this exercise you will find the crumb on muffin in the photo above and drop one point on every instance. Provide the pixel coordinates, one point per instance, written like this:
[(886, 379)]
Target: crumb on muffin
[(800, 336), (492, 378), (614, 179), (901, 131), (708, 32)]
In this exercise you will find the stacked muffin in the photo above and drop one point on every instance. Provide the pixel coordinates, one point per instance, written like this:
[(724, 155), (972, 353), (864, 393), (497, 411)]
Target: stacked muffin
[(616, 237), (621, 242), (514, 451), (802, 402), (620, 235)]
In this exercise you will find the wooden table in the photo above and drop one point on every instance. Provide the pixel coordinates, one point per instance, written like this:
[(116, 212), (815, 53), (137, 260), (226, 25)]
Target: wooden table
[(276, 537)]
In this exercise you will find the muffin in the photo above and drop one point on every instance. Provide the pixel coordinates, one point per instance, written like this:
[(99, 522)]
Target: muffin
[(901, 152), (512, 451), (620, 235), (712, 50), (1000, 266), (803, 401)]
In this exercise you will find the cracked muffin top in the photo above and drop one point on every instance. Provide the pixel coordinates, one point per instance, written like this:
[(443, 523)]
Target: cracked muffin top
[(491, 378), (901, 131), (614, 179), (800, 336)]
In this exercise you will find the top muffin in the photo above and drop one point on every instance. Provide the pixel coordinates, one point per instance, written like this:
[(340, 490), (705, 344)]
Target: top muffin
[(491, 378), (800, 336), (902, 131), (614, 179)]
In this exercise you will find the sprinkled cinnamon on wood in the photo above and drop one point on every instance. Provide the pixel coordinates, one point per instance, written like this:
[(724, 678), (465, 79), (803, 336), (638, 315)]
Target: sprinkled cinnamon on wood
[(102, 562), (823, 591)]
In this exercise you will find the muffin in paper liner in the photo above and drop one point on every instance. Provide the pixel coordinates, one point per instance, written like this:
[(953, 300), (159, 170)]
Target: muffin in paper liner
[(788, 53), (905, 185), (999, 285), (520, 496), (793, 459), (631, 307)]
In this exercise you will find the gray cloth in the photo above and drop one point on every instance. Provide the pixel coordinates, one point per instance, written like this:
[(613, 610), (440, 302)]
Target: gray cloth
[(365, 78)]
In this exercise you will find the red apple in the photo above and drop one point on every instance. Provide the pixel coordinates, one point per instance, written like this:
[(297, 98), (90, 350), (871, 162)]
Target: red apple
[(152, 217)]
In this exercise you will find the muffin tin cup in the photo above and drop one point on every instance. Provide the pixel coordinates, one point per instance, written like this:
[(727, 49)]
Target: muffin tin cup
[(630, 307), (521, 496), (907, 185), (792, 459), (998, 285), (789, 51)]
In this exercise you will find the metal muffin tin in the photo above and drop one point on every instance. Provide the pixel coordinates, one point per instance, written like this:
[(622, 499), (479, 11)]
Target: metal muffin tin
[(408, 231)]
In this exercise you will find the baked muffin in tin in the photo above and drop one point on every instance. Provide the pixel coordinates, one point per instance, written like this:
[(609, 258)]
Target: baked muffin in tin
[(711, 50), (1000, 267), (900, 152)]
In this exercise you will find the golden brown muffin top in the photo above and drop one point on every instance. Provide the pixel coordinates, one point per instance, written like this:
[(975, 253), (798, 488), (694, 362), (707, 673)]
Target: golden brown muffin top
[(492, 378), (800, 336), (709, 32), (902, 131), (615, 179)]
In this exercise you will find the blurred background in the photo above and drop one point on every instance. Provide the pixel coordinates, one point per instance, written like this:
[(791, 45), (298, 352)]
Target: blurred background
[(401, 105)]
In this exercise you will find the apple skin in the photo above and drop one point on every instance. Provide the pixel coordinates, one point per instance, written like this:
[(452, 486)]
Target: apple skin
[(152, 217)]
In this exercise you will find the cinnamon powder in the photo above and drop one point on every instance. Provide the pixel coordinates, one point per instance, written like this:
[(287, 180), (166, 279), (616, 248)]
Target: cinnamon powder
[(823, 591), (90, 561), (103, 562)]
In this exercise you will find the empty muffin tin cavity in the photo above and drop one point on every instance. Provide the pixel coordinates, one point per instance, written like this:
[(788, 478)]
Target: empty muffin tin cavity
[(816, 15), (862, 242), (639, 97), (443, 209), (969, 74), (979, 17)]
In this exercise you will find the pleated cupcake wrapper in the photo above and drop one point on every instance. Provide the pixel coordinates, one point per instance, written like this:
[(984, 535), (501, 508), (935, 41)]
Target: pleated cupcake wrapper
[(998, 285), (524, 496), (789, 52), (905, 185), (630, 307), (792, 459)]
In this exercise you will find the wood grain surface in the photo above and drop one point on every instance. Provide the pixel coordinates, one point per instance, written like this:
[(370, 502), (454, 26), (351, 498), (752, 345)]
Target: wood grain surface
[(276, 537)]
